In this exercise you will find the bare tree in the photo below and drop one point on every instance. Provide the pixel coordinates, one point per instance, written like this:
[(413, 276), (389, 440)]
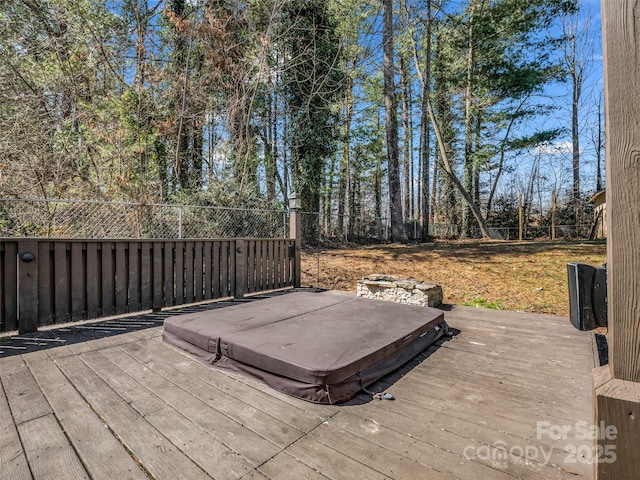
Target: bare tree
[(577, 58), (391, 110)]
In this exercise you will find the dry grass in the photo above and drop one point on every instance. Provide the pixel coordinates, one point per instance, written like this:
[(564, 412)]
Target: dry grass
[(527, 276)]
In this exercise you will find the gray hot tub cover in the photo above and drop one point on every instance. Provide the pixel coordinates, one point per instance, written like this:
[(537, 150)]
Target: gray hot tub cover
[(322, 347)]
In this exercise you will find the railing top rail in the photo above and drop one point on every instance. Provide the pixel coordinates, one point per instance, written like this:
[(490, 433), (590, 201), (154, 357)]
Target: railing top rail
[(137, 240), (142, 204)]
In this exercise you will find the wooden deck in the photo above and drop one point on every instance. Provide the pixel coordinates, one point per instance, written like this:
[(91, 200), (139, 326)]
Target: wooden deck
[(128, 406)]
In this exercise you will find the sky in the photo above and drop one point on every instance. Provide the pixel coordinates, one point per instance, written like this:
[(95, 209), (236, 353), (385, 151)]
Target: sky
[(556, 159)]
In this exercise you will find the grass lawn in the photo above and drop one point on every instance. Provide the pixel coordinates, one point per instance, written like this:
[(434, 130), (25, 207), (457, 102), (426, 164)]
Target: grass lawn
[(520, 276)]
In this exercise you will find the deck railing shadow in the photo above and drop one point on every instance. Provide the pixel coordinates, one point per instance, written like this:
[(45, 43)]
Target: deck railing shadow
[(74, 333)]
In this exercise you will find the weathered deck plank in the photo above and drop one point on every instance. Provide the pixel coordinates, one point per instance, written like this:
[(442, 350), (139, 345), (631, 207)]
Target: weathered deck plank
[(102, 455), (23, 394), (160, 376), (48, 451), (414, 448), (229, 431), (284, 465), (13, 463), (202, 379), (200, 444), (155, 453), (390, 459), (334, 463), (459, 409)]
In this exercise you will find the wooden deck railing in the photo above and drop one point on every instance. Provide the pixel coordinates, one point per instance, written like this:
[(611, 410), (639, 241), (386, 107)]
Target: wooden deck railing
[(45, 281)]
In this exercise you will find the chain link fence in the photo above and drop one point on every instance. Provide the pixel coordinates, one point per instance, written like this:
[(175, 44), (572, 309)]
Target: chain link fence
[(130, 220), (543, 232), (336, 229)]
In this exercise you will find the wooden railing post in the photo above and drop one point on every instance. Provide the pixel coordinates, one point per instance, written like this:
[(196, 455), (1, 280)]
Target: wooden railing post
[(241, 270), (295, 232), (27, 286), (617, 385)]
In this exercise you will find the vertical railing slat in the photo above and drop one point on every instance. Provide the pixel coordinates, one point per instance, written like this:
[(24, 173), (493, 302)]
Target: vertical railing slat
[(207, 271), (78, 270), (61, 268), (146, 276), (217, 253), (108, 261), (122, 280), (272, 264), (93, 280), (169, 274), (281, 251), (198, 271), (158, 274), (179, 269), (224, 269), (45, 283), (251, 252), (189, 271), (133, 301)]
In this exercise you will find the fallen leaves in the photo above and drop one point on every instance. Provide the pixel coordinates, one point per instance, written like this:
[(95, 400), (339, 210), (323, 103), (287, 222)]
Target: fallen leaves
[(520, 276)]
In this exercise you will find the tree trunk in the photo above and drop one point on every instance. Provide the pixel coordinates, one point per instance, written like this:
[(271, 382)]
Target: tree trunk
[(270, 150), (434, 192), (395, 200), (343, 180), (575, 144), (425, 140), (406, 193), (468, 120), (599, 145), (328, 198), (447, 167)]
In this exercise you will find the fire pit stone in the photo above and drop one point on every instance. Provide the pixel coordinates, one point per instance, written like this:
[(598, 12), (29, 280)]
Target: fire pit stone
[(392, 288)]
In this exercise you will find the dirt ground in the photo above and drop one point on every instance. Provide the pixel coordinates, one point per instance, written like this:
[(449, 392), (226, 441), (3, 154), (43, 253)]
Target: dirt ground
[(519, 276)]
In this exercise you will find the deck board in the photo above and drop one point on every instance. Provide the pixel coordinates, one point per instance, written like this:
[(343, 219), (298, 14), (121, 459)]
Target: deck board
[(13, 462), (131, 406), (48, 451), (23, 394), (101, 453), (154, 452)]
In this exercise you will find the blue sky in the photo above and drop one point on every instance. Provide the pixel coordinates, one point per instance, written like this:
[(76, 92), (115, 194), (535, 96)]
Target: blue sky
[(556, 158)]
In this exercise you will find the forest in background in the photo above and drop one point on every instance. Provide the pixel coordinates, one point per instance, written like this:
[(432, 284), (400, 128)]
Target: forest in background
[(438, 111)]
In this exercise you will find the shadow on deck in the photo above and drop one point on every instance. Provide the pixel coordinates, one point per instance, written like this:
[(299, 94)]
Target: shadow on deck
[(111, 400)]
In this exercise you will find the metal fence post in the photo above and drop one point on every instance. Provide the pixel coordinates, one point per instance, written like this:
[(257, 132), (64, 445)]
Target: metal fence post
[(180, 221), (27, 287)]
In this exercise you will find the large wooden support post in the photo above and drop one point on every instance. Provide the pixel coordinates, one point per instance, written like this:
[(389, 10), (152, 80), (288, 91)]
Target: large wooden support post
[(295, 232), (617, 385), (241, 268), (27, 286)]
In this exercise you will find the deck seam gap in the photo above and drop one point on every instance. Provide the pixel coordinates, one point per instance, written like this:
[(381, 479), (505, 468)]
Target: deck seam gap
[(425, 441), (386, 448), (304, 435)]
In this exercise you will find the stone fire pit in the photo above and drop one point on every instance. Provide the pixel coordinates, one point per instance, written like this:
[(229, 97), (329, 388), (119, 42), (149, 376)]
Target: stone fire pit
[(400, 290)]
